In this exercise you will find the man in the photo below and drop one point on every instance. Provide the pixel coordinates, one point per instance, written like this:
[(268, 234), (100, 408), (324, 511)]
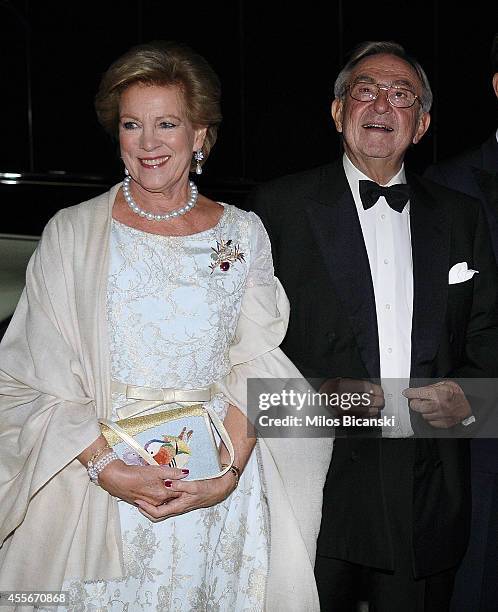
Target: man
[(475, 173), (369, 293)]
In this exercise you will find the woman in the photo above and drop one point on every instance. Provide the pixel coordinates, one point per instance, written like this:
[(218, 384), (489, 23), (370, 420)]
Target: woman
[(155, 286)]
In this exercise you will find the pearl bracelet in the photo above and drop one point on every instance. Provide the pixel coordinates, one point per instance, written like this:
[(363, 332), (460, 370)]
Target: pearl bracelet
[(95, 468)]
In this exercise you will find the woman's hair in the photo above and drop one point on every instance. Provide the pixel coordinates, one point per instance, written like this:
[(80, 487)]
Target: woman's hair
[(163, 63), (375, 48)]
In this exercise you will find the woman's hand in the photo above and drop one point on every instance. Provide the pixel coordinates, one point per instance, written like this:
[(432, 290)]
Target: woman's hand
[(189, 496), (132, 482)]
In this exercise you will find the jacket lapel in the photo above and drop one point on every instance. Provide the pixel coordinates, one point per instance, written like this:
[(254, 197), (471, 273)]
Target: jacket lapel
[(335, 224), (430, 237)]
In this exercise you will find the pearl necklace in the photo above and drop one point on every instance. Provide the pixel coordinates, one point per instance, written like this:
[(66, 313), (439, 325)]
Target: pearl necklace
[(192, 201)]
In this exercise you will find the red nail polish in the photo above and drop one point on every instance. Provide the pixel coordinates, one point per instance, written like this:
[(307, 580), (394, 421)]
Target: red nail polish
[(185, 471), (168, 483)]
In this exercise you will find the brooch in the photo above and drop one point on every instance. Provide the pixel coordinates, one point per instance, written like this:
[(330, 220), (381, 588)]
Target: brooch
[(224, 254)]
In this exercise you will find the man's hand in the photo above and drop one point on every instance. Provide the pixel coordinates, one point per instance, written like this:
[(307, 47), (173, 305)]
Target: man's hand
[(442, 404), (347, 386)]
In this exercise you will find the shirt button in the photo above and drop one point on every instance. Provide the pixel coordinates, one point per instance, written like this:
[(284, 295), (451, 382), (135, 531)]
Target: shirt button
[(383, 216), (389, 350), (386, 261), (388, 306)]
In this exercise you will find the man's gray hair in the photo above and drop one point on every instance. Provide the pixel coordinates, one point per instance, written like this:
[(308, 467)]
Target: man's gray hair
[(375, 48)]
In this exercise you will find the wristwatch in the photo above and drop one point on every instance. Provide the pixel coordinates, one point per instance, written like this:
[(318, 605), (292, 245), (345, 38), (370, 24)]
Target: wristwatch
[(235, 471)]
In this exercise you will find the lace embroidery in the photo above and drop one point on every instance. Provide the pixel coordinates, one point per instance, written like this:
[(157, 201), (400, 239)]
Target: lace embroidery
[(171, 317)]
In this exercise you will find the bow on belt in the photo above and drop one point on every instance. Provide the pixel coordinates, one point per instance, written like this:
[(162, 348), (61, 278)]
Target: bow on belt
[(149, 397)]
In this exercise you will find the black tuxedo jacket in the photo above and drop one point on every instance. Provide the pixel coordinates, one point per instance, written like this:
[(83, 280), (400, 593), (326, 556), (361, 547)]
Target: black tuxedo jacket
[(475, 173), (321, 260)]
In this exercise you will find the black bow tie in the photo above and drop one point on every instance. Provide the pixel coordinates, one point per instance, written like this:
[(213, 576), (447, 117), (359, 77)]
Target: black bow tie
[(396, 195)]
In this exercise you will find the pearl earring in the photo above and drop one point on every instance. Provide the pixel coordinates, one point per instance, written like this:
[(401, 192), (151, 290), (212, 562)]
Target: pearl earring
[(198, 156)]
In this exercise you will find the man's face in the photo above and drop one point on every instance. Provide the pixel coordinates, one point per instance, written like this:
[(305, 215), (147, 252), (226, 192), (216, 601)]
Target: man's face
[(375, 132)]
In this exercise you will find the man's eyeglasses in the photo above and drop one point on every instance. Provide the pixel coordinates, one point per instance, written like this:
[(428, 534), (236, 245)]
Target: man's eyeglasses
[(396, 96)]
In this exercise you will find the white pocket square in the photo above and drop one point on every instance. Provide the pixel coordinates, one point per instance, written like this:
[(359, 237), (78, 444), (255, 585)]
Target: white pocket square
[(460, 273)]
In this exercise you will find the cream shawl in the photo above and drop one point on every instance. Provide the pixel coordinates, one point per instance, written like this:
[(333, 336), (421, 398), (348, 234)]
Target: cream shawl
[(55, 384)]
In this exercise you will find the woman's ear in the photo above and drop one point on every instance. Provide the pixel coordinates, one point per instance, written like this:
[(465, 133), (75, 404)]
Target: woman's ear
[(200, 136)]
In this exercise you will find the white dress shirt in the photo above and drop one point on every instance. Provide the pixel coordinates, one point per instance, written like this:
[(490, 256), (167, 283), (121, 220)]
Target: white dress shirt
[(387, 238)]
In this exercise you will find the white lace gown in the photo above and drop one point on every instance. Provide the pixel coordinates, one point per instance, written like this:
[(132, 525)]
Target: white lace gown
[(172, 313)]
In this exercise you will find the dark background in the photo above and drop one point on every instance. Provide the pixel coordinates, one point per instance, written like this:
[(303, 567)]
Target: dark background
[(277, 66)]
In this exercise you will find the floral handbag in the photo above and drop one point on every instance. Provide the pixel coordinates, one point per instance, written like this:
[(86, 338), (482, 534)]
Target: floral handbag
[(181, 437)]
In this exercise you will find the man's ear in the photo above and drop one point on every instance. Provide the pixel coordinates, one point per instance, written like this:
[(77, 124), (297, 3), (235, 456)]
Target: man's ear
[(495, 83), (336, 111), (423, 125)]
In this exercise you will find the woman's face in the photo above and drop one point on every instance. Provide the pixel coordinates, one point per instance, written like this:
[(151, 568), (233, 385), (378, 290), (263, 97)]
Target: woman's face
[(156, 139)]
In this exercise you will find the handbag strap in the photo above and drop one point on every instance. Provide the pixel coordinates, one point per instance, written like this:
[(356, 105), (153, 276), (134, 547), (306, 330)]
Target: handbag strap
[(225, 438), (129, 440)]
